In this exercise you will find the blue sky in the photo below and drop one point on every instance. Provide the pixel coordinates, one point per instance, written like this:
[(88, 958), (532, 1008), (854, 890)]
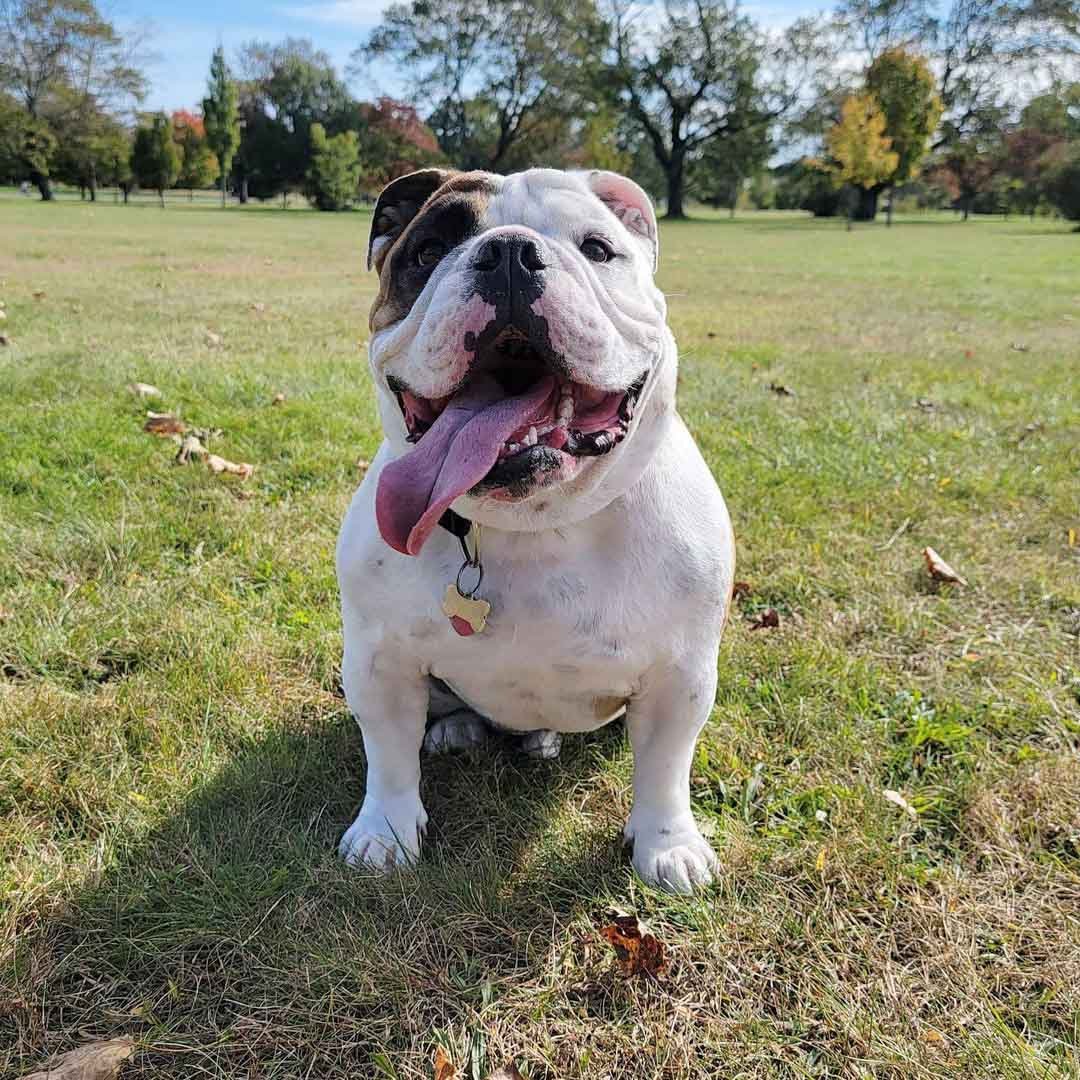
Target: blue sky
[(183, 35)]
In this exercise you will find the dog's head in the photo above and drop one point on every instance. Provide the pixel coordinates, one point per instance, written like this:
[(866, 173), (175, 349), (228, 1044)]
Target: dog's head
[(519, 345)]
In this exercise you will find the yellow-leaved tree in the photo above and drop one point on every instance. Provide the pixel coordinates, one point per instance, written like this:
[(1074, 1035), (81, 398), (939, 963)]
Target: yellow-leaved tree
[(860, 152)]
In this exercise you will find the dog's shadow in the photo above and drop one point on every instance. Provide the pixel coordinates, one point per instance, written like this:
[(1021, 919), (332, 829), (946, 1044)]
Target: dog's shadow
[(236, 915)]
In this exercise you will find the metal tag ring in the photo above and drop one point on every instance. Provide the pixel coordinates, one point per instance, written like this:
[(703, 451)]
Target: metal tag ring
[(479, 578)]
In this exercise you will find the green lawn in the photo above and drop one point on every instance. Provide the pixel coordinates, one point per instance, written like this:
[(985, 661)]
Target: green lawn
[(177, 764)]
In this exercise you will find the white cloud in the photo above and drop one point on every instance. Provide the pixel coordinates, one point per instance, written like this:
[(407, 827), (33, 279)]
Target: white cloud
[(363, 13)]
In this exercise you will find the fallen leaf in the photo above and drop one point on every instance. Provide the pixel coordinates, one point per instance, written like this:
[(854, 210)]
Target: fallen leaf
[(1019, 346), (740, 590), (220, 465), (781, 390), (278, 399), (144, 389), (507, 1072), (898, 800), (710, 333), (1072, 538), (969, 354), (926, 404), (933, 1037), (939, 569), (769, 619), (212, 339), (362, 464), (4, 340), (444, 1068), (5, 614), (95, 1061), (819, 862), (40, 294), (164, 425), (636, 950), (258, 307), (190, 447)]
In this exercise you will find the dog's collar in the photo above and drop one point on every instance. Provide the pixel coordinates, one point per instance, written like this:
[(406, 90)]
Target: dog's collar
[(455, 524)]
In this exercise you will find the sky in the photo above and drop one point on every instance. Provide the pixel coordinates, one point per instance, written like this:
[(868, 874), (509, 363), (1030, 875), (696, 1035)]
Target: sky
[(183, 35)]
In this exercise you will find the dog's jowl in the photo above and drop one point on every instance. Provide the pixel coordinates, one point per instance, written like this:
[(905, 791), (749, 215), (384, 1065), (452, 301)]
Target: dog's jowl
[(538, 544)]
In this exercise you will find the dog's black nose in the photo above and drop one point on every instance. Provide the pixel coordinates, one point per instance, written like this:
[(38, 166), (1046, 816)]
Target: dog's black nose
[(508, 263)]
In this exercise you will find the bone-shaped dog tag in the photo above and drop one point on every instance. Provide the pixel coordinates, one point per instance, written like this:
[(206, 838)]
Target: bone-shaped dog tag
[(467, 614)]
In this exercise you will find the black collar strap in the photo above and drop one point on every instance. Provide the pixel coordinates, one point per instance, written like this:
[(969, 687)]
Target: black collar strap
[(455, 524)]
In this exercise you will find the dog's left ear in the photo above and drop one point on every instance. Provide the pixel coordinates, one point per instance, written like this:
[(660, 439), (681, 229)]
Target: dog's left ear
[(398, 204), (629, 203)]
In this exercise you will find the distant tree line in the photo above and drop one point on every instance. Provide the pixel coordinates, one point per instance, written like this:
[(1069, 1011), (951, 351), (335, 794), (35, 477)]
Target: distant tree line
[(696, 100)]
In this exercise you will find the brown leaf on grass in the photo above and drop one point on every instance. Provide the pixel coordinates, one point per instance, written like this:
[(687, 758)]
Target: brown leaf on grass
[(769, 619), (258, 307), (740, 590), (898, 800), (5, 614), (220, 465), (637, 951), (144, 389), (1019, 346), (781, 390), (362, 464), (925, 404), (213, 339), (444, 1067), (95, 1061), (40, 294), (278, 399), (164, 425), (939, 569), (507, 1072), (4, 340), (3, 314)]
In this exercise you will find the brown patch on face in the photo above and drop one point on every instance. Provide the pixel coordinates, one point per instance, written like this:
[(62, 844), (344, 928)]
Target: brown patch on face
[(452, 211)]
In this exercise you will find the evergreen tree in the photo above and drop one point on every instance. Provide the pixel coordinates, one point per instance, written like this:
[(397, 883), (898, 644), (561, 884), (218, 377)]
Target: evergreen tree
[(155, 158), (221, 116), (334, 176)]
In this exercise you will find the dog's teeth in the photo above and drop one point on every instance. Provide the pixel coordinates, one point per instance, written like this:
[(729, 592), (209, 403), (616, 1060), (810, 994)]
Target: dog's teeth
[(545, 430), (530, 439), (513, 447)]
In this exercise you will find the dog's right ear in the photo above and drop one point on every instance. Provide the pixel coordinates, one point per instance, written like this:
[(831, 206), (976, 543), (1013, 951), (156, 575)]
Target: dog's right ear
[(398, 204)]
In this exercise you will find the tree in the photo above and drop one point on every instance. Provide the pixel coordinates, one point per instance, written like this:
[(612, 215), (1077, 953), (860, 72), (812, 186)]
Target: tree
[(1063, 180), (334, 175), (725, 165), (65, 64), (905, 90), (1026, 161), (860, 151), (155, 158), (703, 74), (979, 48), (198, 165), (495, 73), (221, 115), (966, 170), (393, 141)]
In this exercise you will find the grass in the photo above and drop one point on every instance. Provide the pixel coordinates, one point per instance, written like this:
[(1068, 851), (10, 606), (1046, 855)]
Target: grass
[(176, 762)]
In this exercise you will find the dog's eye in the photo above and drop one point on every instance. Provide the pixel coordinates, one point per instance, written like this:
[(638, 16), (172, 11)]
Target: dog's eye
[(430, 252), (596, 250)]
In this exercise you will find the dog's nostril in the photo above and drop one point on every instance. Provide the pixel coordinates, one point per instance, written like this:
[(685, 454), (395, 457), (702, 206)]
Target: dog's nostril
[(529, 255), (491, 255)]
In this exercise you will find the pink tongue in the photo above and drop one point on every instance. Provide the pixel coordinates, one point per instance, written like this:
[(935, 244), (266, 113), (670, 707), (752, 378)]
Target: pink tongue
[(455, 453)]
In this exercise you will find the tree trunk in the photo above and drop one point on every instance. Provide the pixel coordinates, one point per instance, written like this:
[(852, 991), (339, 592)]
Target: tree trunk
[(889, 207), (161, 196), (41, 182), (676, 188), (967, 207), (244, 191), (190, 194), (82, 193), (93, 185), (223, 181), (124, 189), (866, 210)]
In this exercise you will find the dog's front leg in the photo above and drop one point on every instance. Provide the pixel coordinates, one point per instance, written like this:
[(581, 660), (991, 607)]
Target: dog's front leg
[(663, 721), (389, 701)]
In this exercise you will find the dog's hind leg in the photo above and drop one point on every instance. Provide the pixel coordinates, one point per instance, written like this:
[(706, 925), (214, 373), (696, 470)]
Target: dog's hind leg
[(451, 724)]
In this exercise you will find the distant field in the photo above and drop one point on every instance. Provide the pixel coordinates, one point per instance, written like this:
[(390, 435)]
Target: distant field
[(176, 762)]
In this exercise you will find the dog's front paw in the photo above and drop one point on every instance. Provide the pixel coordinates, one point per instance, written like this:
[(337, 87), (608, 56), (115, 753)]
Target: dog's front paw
[(673, 856), (384, 838)]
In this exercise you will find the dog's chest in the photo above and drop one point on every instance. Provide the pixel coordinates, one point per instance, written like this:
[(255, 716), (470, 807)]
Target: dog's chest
[(559, 649)]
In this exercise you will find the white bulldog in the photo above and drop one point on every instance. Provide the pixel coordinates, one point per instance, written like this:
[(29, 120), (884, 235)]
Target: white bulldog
[(526, 386)]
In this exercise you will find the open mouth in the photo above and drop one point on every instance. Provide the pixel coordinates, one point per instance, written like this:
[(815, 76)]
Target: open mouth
[(576, 419)]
